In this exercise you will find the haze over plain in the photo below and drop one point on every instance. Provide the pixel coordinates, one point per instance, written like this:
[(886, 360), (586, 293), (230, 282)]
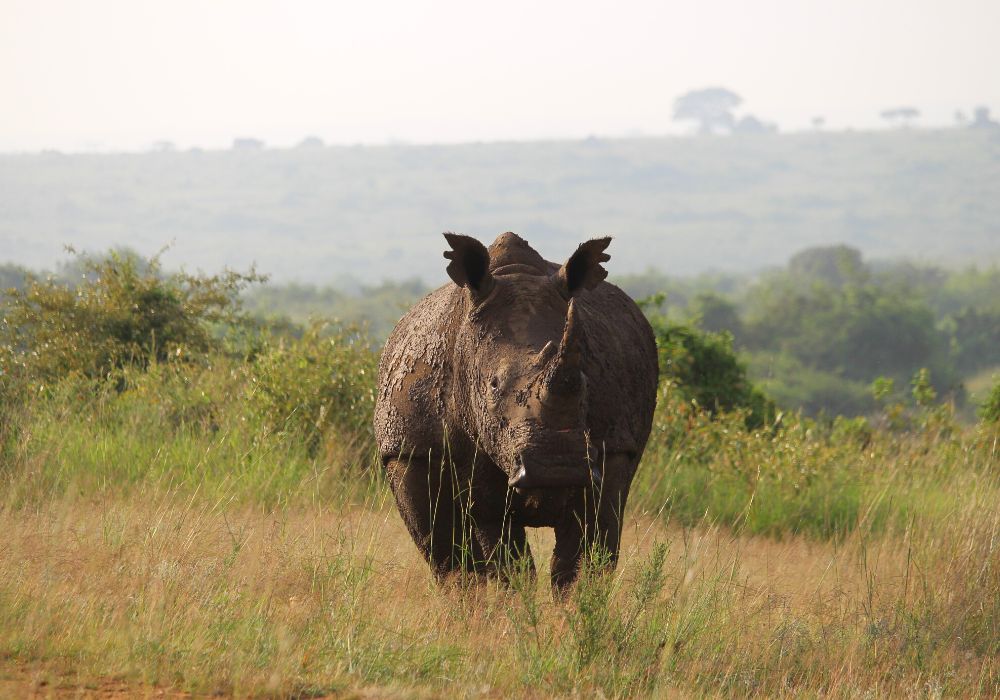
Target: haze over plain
[(119, 76)]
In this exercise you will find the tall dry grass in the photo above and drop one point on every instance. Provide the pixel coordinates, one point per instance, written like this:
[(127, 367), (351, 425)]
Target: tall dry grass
[(212, 597)]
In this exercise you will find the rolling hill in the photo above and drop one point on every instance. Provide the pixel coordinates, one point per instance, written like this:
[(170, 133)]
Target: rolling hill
[(350, 215)]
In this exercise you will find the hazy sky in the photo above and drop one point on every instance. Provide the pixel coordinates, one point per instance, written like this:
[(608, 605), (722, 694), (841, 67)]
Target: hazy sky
[(120, 74)]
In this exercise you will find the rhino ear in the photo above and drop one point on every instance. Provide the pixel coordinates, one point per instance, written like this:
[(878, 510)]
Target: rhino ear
[(470, 264), (583, 270)]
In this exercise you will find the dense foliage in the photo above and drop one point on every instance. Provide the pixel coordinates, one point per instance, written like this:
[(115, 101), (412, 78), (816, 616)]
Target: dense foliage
[(321, 382), (702, 368), (813, 336), (817, 333), (122, 312), (149, 352)]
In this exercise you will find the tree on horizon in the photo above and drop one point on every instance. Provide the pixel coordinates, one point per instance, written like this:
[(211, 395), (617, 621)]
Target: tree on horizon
[(711, 107), (903, 115)]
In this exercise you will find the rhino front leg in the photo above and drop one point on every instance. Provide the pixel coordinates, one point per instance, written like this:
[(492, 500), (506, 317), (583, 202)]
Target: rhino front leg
[(500, 535), (505, 548), (594, 523), (572, 535), (434, 513)]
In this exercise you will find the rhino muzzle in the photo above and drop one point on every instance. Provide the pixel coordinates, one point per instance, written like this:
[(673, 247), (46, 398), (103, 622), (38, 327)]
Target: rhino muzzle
[(554, 477)]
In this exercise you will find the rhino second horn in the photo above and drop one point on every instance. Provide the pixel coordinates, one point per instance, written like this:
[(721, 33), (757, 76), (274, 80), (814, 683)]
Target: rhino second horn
[(545, 354)]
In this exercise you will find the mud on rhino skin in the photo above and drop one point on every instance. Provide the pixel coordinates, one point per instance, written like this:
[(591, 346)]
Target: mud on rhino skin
[(519, 395)]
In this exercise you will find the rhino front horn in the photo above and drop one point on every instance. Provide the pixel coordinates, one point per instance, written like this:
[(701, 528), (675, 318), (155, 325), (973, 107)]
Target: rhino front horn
[(569, 360)]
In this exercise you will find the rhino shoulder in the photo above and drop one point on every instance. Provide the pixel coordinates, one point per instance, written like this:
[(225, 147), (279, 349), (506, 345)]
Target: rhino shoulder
[(414, 372), (621, 368)]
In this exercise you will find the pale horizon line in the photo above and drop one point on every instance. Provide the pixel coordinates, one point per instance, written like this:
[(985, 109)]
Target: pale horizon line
[(393, 142)]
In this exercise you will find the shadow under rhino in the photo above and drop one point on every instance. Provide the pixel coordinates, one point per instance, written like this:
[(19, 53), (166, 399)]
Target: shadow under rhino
[(520, 396)]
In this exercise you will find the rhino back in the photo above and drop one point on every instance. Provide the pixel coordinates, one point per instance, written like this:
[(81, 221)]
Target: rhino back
[(414, 376), (621, 368)]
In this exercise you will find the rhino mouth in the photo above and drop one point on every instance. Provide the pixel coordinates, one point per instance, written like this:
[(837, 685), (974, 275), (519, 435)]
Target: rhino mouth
[(525, 477)]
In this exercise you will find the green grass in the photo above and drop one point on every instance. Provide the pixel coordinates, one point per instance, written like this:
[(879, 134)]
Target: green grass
[(273, 431), (809, 478)]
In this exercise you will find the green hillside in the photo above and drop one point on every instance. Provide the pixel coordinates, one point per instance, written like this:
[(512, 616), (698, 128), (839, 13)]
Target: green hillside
[(352, 216)]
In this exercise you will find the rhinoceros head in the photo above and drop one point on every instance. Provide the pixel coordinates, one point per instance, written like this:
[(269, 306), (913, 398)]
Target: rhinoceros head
[(519, 361)]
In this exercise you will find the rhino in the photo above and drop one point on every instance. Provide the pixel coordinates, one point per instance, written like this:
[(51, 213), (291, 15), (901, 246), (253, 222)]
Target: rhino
[(519, 395)]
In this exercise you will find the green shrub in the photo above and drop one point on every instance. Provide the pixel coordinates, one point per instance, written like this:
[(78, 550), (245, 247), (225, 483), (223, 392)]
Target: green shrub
[(807, 478), (123, 312), (206, 426), (990, 410), (704, 369), (321, 382)]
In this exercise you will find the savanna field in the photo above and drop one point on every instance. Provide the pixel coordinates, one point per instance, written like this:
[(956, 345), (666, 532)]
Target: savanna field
[(191, 505)]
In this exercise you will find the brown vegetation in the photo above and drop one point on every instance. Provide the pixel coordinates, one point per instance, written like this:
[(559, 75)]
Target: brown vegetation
[(172, 593)]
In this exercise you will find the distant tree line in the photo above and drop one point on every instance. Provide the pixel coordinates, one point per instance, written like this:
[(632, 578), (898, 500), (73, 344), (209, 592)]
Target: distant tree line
[(819, 332), (713, 109), (816, 335)]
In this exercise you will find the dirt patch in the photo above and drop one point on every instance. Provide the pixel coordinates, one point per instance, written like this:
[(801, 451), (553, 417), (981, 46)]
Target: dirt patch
[(34, 681)]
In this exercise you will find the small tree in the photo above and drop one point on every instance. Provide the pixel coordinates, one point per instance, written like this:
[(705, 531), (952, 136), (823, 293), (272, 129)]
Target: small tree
[(123, 312), (981, 119), (752, 125), (716, 314), (311, 142), (703, 367), (901, 115), (712, 108), (837, 265), (247, 144)]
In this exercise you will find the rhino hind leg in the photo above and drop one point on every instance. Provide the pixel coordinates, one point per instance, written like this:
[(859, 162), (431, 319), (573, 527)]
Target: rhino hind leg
[(434, 514), (592, 527)]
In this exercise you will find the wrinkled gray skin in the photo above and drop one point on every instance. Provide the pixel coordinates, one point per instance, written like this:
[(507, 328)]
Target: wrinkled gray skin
[(520, 396)]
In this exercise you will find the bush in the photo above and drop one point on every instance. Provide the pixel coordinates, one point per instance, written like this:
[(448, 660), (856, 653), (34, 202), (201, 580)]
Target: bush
[(705, 369), (806, 478), (321, 382), (990, 410), (123, 312)]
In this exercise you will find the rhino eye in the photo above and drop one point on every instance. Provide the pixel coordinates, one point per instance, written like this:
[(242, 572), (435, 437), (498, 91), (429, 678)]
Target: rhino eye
[(494, 388)]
